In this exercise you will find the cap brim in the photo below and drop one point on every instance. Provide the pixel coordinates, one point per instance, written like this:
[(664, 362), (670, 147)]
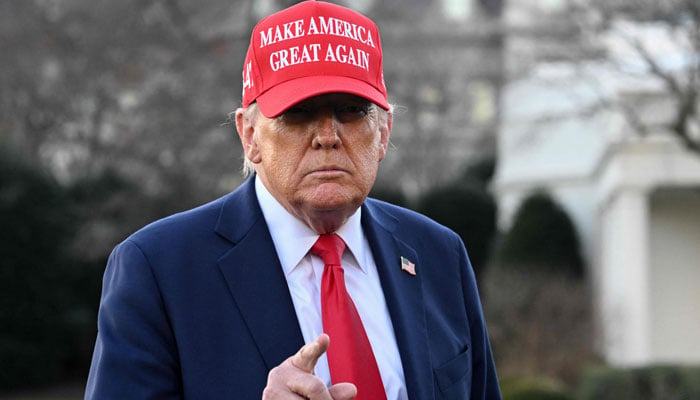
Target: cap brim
[(286, 94)]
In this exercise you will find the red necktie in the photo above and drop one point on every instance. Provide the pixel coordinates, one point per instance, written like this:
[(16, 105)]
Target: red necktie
[(350, 356)]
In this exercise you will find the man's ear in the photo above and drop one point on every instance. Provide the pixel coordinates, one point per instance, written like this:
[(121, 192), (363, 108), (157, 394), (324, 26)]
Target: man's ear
[(385, 123), (246, 132)]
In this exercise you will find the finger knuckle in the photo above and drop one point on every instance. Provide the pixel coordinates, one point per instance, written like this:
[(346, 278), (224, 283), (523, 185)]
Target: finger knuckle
[(275, 373), (316, 387), (270, 393)]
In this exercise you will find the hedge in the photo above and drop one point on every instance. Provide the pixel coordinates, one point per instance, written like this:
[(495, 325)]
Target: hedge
[(661, 382), (535, 388)]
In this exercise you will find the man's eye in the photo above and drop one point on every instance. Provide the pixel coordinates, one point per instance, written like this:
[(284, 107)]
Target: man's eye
[(297, 114), (351, 112), (296, 110)]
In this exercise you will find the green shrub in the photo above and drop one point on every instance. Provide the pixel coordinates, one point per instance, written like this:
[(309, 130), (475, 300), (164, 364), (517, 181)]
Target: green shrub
[(470, 211), (644, 383), (480, 171), (37, 227), (50, 271), (533, 389), (542, 235)]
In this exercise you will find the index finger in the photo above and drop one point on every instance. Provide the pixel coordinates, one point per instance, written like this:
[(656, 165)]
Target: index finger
[(306, 358)]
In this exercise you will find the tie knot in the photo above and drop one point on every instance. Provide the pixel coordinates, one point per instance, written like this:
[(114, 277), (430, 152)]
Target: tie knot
[(330, 248)]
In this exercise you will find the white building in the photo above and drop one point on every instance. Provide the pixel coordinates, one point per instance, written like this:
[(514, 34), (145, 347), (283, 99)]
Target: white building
[(635, 199)]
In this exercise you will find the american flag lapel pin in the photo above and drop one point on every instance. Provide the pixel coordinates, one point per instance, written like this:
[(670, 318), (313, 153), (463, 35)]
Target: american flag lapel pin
[(408, 266)]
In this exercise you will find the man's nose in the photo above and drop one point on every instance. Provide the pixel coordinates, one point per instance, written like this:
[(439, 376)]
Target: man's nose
[(326, 131)]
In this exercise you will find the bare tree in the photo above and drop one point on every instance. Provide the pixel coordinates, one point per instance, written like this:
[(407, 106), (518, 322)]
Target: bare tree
[(678, 21), (630, 52), (129, 85), (139, 88)]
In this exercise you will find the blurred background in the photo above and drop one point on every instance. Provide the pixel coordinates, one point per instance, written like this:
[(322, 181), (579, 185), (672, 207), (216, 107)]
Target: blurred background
[(559, 138)]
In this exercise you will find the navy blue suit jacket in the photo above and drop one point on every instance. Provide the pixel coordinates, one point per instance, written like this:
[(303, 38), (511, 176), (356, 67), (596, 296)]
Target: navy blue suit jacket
[(196, 306)]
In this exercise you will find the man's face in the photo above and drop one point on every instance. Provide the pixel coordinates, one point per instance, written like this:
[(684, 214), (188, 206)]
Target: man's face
[(319, 159)]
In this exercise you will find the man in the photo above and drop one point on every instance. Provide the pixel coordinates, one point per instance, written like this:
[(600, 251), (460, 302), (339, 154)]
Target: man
[(218, 302)]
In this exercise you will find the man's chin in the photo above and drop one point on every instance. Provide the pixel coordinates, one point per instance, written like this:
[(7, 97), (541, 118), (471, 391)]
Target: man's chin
[(330, 206)]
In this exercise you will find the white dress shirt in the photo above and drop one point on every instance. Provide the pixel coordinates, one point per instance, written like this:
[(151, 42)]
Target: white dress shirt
[(293, 240)]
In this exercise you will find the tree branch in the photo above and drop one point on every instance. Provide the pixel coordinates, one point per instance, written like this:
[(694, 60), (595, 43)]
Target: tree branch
[(671, 83)]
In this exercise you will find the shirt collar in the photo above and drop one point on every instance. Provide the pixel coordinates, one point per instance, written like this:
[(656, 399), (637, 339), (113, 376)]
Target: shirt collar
[(293, 238)]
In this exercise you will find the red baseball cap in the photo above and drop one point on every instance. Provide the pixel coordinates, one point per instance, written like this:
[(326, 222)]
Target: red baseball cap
[(309, 49)]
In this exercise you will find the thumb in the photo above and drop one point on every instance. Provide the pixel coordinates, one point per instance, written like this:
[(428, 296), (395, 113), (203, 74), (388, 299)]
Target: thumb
[(343, 391)]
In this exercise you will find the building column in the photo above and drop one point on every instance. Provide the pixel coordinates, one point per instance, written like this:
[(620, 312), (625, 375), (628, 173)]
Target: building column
[(624, 278)]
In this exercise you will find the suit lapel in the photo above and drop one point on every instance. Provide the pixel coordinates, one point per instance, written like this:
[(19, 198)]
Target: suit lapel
[(404, 298), (255, 278)]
